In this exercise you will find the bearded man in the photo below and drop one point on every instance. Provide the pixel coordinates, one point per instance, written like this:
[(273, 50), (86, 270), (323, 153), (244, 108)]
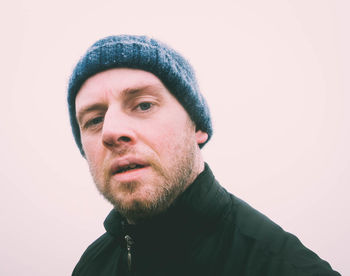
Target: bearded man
[(140, 121)]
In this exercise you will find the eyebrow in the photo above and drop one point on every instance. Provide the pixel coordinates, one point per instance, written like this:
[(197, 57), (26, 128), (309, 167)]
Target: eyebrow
[(154, 88)]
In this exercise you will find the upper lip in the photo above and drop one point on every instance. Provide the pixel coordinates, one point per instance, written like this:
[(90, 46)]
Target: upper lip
[(121, 163)]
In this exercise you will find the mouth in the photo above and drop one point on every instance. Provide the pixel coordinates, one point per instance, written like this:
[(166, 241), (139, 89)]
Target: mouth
[(127, 168)]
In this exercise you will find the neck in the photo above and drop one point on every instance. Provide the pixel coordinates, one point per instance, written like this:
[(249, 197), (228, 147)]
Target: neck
[(197, 168)]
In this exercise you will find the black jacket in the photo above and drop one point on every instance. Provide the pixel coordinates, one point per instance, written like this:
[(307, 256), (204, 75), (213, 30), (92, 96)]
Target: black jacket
[(208, 231)]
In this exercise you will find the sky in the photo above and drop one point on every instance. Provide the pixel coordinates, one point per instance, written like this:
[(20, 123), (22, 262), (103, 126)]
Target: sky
[(275, 74)]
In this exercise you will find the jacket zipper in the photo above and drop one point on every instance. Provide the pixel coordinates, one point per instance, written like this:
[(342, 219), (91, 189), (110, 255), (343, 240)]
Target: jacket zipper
[(129, 243)]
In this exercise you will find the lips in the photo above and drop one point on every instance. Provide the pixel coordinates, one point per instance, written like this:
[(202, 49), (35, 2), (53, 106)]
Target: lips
[(127, 165), (128, 168)]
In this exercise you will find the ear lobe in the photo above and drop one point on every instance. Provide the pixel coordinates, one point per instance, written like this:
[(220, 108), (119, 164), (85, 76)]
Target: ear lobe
[(201, 137)]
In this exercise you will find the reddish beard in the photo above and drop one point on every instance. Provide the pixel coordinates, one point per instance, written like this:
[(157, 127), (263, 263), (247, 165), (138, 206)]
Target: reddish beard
[(170, 182)]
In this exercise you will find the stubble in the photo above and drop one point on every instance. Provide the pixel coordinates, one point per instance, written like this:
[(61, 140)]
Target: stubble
[(169, 183)]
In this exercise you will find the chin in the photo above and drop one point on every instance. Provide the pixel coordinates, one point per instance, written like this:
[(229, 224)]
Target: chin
[(142, 203), (136, 209)]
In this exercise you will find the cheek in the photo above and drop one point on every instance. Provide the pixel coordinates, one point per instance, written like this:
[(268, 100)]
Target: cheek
[(163, 135), (169, 139), (91, 149)]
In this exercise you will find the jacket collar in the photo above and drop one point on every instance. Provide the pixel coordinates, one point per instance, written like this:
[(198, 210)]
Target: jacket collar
[(200, 206)]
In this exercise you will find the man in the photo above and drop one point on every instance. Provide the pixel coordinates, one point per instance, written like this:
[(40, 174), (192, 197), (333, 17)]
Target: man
[(140, 121)]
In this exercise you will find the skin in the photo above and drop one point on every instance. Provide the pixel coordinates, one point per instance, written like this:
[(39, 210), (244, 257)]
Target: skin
[(127, 116)]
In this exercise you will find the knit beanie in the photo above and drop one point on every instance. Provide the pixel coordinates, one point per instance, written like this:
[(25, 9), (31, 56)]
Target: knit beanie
[(141, 52)]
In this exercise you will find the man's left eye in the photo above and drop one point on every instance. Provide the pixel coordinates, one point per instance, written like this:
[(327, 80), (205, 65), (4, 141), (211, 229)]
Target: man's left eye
[(145, 106)]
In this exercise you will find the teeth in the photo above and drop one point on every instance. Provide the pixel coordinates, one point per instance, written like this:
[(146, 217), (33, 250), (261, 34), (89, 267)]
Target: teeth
[(129, 167)]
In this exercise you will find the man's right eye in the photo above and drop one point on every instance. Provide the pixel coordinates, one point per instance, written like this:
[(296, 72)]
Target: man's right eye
[(93, 122)]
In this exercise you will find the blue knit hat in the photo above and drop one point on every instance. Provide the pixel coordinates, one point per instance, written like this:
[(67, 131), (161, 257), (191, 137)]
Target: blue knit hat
[(141, 52)]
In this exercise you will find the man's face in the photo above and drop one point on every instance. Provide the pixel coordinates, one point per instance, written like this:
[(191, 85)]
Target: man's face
[(141, 145)]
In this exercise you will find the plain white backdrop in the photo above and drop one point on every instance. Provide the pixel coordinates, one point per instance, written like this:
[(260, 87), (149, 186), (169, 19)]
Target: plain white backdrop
[(276, 77)]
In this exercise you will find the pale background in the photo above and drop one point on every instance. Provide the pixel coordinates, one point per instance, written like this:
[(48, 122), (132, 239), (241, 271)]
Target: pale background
[(275, 74)]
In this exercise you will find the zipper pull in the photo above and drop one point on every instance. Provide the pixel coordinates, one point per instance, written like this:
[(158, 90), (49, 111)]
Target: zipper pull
[(129, 243)]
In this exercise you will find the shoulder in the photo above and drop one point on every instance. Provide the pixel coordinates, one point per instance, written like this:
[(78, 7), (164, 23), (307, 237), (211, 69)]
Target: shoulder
[(267, 246)]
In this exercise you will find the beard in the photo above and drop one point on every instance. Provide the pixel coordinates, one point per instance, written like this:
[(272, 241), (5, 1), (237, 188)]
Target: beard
[(159, 190)]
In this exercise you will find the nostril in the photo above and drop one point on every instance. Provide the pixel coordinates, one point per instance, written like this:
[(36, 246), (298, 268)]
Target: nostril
[(124, 139), (111, 140)]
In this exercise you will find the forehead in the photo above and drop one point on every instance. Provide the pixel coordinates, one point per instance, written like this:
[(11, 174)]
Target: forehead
[(117, 80)]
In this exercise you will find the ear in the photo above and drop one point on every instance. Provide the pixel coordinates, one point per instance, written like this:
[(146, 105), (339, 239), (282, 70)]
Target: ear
[(201, 137)]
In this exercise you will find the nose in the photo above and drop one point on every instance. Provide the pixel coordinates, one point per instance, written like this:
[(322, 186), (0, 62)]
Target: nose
[(117, 130)]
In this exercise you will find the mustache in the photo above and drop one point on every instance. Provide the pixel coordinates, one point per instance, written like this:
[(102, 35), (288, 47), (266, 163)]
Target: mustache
[(123, 150)]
